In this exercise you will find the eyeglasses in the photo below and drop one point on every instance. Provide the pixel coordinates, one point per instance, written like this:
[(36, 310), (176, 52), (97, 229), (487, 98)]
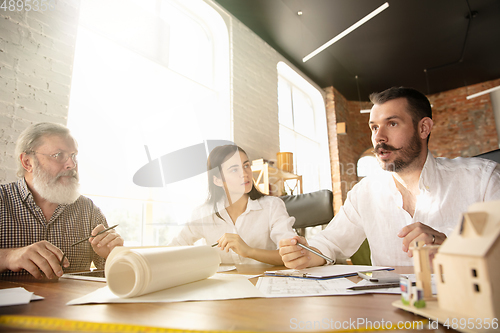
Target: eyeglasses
[(61, 157)]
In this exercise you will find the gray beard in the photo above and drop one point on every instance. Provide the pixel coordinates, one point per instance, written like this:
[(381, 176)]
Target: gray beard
[(50, 189)]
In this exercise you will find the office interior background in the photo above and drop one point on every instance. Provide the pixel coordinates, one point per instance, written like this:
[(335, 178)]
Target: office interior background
[(135, 80)]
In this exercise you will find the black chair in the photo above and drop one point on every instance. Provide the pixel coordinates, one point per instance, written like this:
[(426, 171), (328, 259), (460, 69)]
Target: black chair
[(493, 155), (309, 209)]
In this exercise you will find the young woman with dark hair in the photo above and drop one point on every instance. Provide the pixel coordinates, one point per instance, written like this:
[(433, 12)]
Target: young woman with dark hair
[(246, 224)]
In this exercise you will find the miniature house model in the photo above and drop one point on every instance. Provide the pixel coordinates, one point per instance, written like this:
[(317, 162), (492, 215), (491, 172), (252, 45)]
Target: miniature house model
[(467, 265)]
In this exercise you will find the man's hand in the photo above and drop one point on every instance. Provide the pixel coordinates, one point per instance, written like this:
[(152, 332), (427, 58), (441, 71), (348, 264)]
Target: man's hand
[(419, 232), (235, 243), (104, 243), (35, 258), (294, 256)]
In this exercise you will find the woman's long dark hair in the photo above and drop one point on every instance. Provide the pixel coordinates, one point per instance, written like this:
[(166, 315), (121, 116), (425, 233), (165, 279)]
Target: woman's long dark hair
[(218, 156)]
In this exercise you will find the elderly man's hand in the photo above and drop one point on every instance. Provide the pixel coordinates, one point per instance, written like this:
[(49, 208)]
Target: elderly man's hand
[(104, 243), (38, 259)]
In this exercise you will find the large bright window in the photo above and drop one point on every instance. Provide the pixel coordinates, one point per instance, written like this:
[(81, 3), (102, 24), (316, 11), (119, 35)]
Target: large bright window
[(303, 131), (150, 78)]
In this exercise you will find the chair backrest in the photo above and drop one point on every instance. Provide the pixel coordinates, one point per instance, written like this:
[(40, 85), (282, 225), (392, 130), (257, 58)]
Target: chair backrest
[(310, 209), (493, 155)]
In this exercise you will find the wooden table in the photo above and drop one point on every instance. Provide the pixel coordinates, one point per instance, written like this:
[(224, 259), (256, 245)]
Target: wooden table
[(256, 315)]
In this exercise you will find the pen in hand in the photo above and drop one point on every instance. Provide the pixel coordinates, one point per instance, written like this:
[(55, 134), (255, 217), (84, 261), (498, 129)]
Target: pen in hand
[(62, 260), (100, 232), (328, 260)]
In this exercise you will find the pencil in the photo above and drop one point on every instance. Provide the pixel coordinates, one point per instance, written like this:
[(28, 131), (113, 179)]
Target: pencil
[(100, 232), (61, 263), (328, 260), (377, 286)]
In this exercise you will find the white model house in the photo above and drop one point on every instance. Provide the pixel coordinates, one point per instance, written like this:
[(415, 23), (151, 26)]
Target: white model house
[(467, 265)]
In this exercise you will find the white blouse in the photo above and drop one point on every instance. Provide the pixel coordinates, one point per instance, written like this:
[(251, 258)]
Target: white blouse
[(263, 224)]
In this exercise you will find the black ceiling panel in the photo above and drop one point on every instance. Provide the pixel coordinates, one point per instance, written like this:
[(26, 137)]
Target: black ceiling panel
[(456, 41)]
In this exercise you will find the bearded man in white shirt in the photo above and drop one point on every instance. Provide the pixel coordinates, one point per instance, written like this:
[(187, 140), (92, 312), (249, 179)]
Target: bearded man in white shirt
[(416, 198)]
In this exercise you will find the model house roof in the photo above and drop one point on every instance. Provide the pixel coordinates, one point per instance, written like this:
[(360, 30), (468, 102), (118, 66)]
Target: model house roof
[(477, 232)]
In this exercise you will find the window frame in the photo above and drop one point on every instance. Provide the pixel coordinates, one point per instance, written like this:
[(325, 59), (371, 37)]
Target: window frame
[(315, 95)]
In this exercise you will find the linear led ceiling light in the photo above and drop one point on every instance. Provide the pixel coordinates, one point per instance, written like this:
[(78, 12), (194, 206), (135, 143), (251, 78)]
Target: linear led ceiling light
[(487, 91), (347, 31)]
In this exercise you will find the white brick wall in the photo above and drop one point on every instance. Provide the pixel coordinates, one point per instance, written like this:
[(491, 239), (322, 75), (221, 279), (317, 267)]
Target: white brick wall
[(36, 59), (255, 91), (255, 96)]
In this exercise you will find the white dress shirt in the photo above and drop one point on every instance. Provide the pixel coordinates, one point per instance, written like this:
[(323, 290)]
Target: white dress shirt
[(374, 208), (262, 225)]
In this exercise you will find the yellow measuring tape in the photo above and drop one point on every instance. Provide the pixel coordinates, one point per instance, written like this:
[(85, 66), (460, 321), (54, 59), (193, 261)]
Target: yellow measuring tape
[(67, 325)]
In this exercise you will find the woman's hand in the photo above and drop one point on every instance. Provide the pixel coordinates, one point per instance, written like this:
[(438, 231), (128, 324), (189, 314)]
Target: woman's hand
[(235, 243)]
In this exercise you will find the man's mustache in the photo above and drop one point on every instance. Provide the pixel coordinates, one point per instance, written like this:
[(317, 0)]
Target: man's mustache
[(69, 173), (384, 146)]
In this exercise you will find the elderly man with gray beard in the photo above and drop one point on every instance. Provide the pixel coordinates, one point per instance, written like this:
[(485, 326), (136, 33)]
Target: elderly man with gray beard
[(43, 213)]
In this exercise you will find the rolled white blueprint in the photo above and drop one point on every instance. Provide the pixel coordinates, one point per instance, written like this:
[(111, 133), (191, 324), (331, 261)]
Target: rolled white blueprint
[(135, 271)]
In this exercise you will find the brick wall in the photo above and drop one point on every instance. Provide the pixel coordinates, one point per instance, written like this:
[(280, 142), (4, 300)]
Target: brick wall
[(461, 128), (345, 149), (254, 90), (36, 59), (331, 123), (255, 95)]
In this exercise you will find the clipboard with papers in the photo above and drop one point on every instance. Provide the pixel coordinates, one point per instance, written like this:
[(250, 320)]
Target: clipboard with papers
[(326, 272)]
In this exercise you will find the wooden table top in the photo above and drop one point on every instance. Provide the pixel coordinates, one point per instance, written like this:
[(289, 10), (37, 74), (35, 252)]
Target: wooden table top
[(255, 315)]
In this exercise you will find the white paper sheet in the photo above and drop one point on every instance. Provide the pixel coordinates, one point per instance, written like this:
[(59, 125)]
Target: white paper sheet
[(217, 287), (17, 296), (327, 271), (294, 287)]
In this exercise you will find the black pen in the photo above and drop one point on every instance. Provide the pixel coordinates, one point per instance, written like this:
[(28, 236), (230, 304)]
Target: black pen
[(328, 260), (100, 232), (61, 263), (215, 244), (378, 286)]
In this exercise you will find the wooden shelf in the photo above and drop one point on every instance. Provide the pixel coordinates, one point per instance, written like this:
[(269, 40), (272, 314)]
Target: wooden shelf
[(271, 180)]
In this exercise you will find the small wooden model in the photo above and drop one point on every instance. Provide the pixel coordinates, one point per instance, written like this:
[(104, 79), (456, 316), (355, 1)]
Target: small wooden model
[(466, 273), (467, 265), (422, 268)]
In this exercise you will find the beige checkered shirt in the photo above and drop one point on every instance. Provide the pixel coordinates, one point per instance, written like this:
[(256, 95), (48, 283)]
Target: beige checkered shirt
[(22, 223)]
